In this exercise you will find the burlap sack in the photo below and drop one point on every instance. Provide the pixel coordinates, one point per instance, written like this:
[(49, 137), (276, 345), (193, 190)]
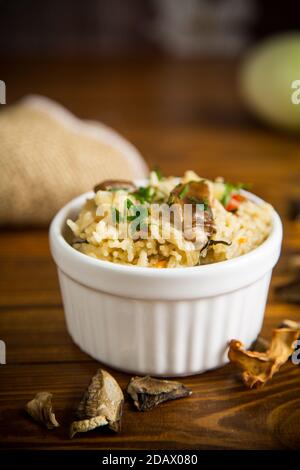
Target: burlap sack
[(48, 156)]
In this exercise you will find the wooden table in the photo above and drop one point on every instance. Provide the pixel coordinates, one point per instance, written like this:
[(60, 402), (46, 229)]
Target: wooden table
[(180, 115)]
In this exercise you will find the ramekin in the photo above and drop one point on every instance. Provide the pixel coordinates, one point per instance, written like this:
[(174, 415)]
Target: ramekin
[(163, 322)]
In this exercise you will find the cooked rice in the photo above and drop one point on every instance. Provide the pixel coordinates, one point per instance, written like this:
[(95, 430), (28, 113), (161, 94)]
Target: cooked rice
[(244, 229)]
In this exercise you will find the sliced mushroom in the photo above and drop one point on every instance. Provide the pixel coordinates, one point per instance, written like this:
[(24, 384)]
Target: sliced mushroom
[(201, 226), (101, 405), (109, 185), (191, 192), (147, 392), (40, 409)]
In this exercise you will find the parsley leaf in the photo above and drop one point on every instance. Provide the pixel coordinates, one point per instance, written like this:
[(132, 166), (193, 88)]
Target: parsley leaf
[(129, 203), (183, 191), (116, 216), (136, 209), (229, 189), (144, 194), (158, 172)]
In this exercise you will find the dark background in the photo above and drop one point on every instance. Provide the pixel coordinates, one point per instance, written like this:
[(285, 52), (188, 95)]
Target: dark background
[(95, 28), (138, 62)]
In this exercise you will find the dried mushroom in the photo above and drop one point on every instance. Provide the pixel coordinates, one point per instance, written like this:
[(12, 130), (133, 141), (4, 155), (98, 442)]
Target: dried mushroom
[(147, 392), (115, 185), (260, 344), (201, 226), (40, 409), (294, 325), (259, 367), (101, 405)]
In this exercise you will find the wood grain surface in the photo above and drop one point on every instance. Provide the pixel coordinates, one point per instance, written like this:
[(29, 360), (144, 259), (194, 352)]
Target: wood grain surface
[(180, 115)]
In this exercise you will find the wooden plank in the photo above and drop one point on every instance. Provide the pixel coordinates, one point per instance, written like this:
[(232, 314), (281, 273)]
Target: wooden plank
[(219, 414), (28, 281), (37, 335), (179, 115)]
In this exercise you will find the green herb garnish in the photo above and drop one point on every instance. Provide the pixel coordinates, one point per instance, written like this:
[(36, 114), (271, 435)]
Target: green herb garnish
[(130, 218), (144, 194), (184, 191), (129, 203), (136, 209), (158, 173), (229, 189), (138, 218), (116, 216)]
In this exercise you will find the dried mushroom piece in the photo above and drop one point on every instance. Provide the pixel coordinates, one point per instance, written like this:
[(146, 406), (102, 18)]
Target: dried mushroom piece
[(294, 325), (115, 185), (199, 225), (101, 405), (259, 367), (147, 392), (256, 366), (260, 344), (192, 192), (40, 409)]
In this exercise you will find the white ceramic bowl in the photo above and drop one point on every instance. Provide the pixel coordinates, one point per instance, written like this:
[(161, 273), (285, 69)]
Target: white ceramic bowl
[(163, 322)]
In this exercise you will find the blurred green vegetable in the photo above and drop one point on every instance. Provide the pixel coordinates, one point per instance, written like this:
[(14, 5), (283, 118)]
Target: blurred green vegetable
[(266, 80)]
